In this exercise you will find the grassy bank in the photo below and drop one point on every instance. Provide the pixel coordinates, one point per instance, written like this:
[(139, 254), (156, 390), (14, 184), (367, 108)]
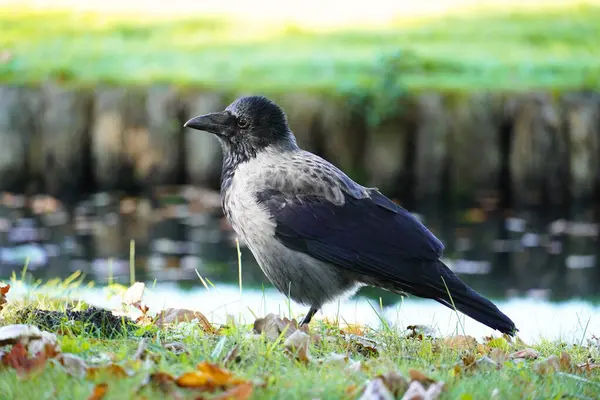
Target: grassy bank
[(153, 354), (505, 48)]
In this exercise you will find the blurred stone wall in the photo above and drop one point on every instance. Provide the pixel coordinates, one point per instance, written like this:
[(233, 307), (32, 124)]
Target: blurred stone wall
[(526, 151)]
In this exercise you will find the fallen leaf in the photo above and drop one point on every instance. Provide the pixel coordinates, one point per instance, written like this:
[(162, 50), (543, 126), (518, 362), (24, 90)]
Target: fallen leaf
[(498, 343), (499, 356), (362, 345), (18, 359), (416, 391), (352, 329), (486, 362), (134, 294), (208, 376), (232, 356), (356, 366), (335, 359), (565, 362), (588, 367), (468, 360), (174, 316), (242, 391), (3, 292), (460, 342), (47, 343), (297, 344), (527, 354), (376, 390), (175, 347), (99, 392), (162, 381), (220, 375), (416, 375), (548, 365), (11, 334), (273, 326), (395, 382), (144, 320), (114, 370), (420, 331), (194, 379), (74, 365)]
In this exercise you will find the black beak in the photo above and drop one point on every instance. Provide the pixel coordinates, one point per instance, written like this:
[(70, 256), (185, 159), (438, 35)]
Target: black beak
[(216, 123)]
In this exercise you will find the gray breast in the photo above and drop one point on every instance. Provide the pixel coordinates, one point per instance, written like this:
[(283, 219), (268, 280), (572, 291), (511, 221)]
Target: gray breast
[(304, 279)]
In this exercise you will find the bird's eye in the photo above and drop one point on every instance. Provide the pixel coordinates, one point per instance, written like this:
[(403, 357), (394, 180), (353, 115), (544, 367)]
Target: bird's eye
[(242, 123)]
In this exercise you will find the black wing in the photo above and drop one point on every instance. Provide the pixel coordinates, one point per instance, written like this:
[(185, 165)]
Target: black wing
[(371, 236)]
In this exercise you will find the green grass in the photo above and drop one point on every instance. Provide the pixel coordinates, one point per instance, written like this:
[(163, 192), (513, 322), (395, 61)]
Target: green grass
[(275, 373), (553, 49)]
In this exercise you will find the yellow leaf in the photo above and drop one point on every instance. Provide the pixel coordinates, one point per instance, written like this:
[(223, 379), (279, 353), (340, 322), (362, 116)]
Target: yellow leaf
[(498, 343), (194, 379), (114, 370), (99, 392)]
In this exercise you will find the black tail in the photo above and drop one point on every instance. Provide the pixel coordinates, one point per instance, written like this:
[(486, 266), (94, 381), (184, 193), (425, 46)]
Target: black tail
[(465, 299)]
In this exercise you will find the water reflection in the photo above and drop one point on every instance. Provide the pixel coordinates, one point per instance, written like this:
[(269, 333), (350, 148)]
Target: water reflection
[(180, 230)]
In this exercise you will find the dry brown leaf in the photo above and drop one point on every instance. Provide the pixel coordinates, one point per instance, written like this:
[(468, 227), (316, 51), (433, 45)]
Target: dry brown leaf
[(134, 294), (363, 345), (548, 365), (47, 343), (19, 359), (469, 363), (175, 315), (416, 375), (99, 392), (74, 365), (273, 326), (486, 362), (297, 345), (588, 367), (3, 292), (242, 391), (420, 331), (175, 347), (11, 334), (395, 382), (460, 342), (356, 366), (526, 354), (565, 362), (416, 391), (499, 356), (113, 370), (335, 359), (163, 382), (232, 356), (352, 329), (376, 390)]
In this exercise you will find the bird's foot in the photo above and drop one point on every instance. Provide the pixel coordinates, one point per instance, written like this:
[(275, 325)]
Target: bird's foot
[(308, 317)]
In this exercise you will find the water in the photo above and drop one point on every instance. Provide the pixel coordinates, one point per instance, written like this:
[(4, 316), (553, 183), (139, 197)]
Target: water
[(523, 262)]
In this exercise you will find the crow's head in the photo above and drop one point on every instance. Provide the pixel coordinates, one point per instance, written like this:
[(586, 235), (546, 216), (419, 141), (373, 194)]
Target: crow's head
[(247, 125)]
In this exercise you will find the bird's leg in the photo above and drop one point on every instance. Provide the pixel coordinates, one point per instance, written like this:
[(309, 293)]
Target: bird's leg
[(311, 313)]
